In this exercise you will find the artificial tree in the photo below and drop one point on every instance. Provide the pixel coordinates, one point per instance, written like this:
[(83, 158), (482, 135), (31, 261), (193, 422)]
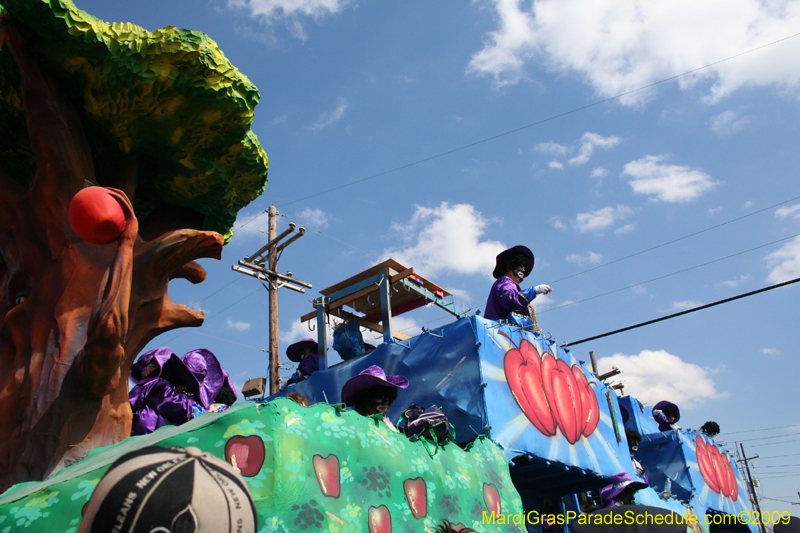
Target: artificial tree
[(164, 119)]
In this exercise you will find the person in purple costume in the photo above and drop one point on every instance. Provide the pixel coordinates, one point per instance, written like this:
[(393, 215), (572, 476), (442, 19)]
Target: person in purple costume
[(621, 491), (304, 352), (506, 297), (166, 392), (217, 391), (667, 415)]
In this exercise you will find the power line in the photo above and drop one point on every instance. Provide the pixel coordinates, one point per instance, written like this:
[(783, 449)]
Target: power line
[(683, 313), (774, 443), (673, 241), (537, 123), (670, 275), (765, 429), (773, 437)]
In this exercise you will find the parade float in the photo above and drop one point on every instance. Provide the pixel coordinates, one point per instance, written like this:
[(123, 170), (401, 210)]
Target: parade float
[(159, 123)]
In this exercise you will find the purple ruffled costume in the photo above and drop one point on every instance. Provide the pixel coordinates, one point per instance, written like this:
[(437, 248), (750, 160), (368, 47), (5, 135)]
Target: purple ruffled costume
[(505, 298)]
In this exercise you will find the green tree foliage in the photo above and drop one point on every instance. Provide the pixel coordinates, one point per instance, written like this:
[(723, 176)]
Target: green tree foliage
[(170, 94)]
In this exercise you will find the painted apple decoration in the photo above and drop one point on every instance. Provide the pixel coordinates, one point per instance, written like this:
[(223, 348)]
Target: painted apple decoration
[(716, 469), (523, 368), (246, 453), (417, 496), (380, 520), (568, 410), (550, 393), (591, 409), (95, 216), (326, 471), (491, 497)]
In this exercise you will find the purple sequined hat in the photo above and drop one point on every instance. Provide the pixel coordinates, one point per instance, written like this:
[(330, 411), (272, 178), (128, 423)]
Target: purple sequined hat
[(667, 408), (371, 377), (207, 372), (620, 482), (150, 365), (295, 351), (501, 257)]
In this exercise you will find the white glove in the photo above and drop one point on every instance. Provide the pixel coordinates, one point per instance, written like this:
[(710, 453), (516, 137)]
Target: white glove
[(543, 289)]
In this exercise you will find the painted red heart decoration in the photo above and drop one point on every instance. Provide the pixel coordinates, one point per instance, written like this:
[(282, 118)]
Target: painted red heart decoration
[(569, 410), (523, 368), (417, 496), (591, 409), (491, 497), (551, 393), (95, 216), (326, 471), (246, 454), (380, 520), (716, 469)]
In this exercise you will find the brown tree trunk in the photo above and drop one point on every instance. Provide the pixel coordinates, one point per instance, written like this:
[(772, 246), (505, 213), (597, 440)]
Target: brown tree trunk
[(73, 315)]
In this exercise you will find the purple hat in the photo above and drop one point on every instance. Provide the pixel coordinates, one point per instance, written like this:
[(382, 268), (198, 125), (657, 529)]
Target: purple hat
[(371, 377), (620, 482), (502, 256), (295, 351), (207, 373), (668, 407), (150, 365)]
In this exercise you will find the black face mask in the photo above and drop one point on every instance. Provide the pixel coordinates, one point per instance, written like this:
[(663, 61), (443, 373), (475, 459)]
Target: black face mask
[(634, 448), (520, 274)]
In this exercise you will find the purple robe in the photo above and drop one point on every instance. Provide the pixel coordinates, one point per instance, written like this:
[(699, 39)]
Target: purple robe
[(505, 298), (156, 404), (309, 365)]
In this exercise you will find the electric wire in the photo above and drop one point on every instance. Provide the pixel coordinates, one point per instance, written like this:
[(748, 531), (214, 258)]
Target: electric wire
[(649, 322), (764, 429), (772, 443), (673, 241), (672, 274), (537, 123), (790, 435)]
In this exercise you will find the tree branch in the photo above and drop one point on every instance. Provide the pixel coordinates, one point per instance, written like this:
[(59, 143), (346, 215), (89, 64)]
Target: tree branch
[(105, 349)]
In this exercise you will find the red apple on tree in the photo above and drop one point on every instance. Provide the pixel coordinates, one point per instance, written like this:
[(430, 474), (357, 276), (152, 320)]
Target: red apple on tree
[(95, 216)]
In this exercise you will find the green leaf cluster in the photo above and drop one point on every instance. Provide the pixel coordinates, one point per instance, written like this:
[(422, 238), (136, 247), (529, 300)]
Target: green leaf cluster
[(170, 94)]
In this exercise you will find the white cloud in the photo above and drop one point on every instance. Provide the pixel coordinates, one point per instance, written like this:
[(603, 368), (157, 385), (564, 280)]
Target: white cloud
[(734, 282), (770, 351), (747, 205), (289, 11), (728, 122), (788, 211), (658, 375), (713, 211), (314, 217), (558, 165), (639, 289), (598, 172), (196, 306), (622, 45), (578, 259), (785, 263), (330, 117), (589, 142), (447, 238), (622, 230), (279, 119), (683, 305), (670, 183), (551, 147), (793, 429), (238, 326), (601, 219), (557, 223), (250, 226)]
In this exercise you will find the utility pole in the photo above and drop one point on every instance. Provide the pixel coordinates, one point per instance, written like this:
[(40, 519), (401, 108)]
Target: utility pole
[(752, 487), (253, 265)]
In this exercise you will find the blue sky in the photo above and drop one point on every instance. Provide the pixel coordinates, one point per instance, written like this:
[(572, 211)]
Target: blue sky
[(486, 110)]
